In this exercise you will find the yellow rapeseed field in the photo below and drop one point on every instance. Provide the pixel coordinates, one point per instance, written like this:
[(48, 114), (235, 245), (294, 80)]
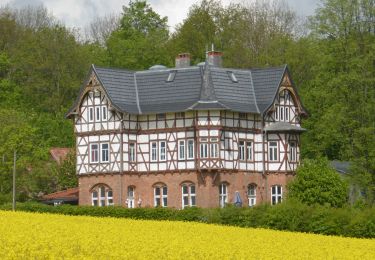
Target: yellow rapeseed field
[(47, 236)]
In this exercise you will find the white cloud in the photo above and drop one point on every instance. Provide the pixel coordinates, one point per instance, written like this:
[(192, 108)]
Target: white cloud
[(79, 13)]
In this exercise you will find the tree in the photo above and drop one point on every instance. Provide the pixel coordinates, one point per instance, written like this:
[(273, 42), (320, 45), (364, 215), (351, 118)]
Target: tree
[(140, 41), (101, 28), (318, 183)]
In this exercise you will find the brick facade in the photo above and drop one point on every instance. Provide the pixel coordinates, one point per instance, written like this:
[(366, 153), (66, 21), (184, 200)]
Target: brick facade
[(207, 186)]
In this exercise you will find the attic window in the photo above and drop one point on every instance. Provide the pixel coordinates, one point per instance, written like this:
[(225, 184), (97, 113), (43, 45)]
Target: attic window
[(171, 76), (232, 77)]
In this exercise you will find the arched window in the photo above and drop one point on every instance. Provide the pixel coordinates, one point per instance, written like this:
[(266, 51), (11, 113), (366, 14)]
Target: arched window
[(102, 195), (276, 194), (251, 194), (188, 195), (223, 194), (160, 195), (131, 197)]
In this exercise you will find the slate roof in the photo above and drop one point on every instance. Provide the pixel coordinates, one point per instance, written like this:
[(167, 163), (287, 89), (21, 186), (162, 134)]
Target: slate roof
[(193, 88)]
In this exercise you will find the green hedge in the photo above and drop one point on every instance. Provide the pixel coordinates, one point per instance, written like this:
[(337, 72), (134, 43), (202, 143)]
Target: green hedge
[(290, 215)]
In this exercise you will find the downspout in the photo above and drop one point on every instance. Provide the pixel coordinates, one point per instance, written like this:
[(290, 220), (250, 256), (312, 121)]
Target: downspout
[(121, 156), (263, 161)]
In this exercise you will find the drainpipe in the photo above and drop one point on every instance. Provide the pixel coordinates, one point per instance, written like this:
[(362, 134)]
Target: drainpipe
[(121, 155), (263, 161)]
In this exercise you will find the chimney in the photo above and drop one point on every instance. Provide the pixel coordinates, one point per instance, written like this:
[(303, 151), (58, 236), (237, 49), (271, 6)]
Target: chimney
[(183, 60), (215, 58)]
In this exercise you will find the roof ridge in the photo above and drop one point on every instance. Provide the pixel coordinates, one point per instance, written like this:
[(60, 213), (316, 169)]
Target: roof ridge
[(136, 93)]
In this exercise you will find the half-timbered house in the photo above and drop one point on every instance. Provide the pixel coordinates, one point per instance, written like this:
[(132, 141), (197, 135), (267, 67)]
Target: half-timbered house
[(186, 136)]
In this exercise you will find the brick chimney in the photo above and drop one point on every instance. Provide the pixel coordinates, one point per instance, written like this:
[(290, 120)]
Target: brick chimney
[(183, 60), (215, 58)]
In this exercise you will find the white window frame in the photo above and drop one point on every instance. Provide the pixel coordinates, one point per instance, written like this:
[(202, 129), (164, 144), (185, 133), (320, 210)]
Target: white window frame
[(161, 198), (203, 150), (214, 148), (104, 113), (190, 195), (102, 151), (292, 151), (276, 194), (94, 199), (154, 151), (102, 199), (180, 115), (96, 152), (190, 148), (242, 116), (97, 114), (132, 152), (91, 116), (161, 116), (252, 194), (223, 194), (241, 150), (110, 198), (273, 153), (162, 151), (249, 150), (130, 201), (281, 113), (181, 150)]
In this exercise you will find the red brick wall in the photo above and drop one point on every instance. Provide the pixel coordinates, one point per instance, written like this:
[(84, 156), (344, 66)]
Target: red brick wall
[(207, 188)]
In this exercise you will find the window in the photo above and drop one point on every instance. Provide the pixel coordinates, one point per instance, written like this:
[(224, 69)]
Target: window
[(272, 151), (190, 152), (188, 195), (160, 116), (180, 115), (276, 194), (95, 198), (287, 114), (251, 194), (104, 113), (203, 148), (232, 77), (163, 155), (171, 76), (281, 113), (277, 113), (292, 152), (249, 151), (102, 196), (214, 148), (130, 200), (223, 195), (105, 152), (161, 196), (241, 150), (154, 152), (97, 113), (181, 150), (109, 198), (91, 114), (94, 153), (242, 115), (132, 152)]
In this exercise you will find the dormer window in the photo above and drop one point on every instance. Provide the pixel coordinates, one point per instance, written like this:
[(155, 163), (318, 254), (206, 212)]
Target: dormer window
[(232, 77), (171, 76)]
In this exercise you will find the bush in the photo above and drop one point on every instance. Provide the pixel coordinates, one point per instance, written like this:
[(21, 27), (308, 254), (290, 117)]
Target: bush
[(290, 215)]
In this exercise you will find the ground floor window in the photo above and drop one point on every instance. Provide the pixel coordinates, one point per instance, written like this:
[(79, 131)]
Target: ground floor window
[(223, 195), (161, 196), (251, 194), (276, 194), (102, 196), (188, 195), (131, 195)]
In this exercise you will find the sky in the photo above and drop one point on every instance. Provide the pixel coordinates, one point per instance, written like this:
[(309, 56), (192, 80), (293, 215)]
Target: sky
[(79, 13)]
